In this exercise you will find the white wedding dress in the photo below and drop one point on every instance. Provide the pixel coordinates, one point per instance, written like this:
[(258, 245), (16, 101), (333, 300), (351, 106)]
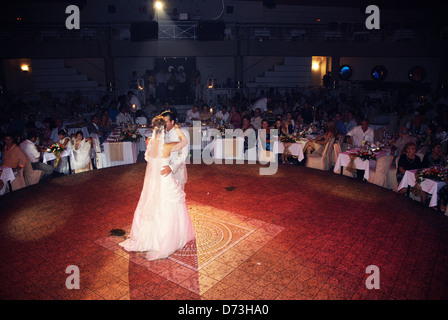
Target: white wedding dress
[(161, 222)]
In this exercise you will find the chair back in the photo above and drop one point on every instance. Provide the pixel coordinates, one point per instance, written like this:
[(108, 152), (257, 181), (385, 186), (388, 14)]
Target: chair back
[(336, 150), (328, 153), (384, 163), (30, 175), (96, 146)]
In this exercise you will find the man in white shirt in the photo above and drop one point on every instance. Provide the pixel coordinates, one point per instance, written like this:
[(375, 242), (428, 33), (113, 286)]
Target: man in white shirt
[(222, 115), (29, 149), (134, 100), (193, 115), (261, 103), (123, 117), (256, 119), (55, 132), (360, 133)]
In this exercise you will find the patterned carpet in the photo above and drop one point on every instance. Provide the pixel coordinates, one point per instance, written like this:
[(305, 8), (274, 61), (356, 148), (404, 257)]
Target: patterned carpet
[(300, 234)]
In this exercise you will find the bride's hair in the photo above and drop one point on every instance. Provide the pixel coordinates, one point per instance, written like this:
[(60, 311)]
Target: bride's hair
[(158, 123)]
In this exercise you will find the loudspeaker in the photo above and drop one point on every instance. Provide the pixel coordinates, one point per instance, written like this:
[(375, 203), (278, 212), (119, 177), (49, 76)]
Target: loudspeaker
[(141, 31), (211, 30)]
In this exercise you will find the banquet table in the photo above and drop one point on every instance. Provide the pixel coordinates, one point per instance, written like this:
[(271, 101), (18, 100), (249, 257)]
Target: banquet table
[(7, 176), (49, 156), (228, 148), (431, 187), (119, 153), (296, 149), (343, 160)]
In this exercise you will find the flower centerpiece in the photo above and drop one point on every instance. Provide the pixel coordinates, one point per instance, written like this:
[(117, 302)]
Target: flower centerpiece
[(434, 173), (366, 155), (288, 139), (57, 149), (130, 134), (222, 130)]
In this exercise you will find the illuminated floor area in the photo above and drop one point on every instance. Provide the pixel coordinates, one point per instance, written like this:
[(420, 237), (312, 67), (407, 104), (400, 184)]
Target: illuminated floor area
[(299, 234)]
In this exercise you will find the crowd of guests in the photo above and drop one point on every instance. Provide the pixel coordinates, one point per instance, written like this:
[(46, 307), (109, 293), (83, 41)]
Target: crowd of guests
[(421, 123)]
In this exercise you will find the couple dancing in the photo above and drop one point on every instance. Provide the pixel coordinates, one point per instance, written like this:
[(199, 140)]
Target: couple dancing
[(161, 222)]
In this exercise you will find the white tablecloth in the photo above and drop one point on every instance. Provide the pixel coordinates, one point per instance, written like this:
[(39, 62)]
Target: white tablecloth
[(145, 133), (7, 176), (344, 159), (428, 185), (228, 148), (296, 149), (130, 153), (48, 156)]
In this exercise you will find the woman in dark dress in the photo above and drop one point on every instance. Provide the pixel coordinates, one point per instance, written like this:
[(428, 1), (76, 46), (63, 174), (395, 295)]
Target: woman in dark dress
[(409, 161)]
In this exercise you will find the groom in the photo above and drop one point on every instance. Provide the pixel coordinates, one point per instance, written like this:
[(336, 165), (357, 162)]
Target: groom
[(177, 159)]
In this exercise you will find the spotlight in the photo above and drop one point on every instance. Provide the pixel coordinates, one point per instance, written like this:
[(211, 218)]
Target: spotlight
[(25, 67), (158, 5)]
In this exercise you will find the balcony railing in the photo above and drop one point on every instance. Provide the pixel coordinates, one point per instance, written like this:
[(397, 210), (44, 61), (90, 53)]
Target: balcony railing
[(187, 30)]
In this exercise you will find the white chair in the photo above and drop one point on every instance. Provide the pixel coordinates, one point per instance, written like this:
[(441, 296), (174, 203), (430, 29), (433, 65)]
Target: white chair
[(30, 175), (141, 120), (336, 151), (321, 161), (380, 174), (97, 154), (19, 181)]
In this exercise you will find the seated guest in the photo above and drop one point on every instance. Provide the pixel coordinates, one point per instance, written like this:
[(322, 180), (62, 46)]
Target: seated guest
[(13, 157), (62, 165), (280, 125), (340, 125), (299, 123), (123, 117), (93, 127), (105, 125), (205, 115), (245, 124), (428, 140), (222, 116), (193, 115), (81, 152), (403, 138), (49, 126), (360, 133), (235, 118), (409, 161), (256, 119), (350, 123), (29, 148), (265, 139), (289, 122), (316, 146), (55, 132), (435, 157)]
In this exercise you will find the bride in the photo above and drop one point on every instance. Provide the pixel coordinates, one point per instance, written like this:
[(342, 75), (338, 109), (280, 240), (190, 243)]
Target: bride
[(161, 222)]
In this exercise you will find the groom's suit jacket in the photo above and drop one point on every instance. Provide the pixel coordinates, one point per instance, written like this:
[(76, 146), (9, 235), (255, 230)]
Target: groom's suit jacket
[(178, 158)]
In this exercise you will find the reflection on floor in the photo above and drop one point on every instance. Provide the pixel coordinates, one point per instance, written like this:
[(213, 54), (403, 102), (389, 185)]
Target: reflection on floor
[(299, 234)]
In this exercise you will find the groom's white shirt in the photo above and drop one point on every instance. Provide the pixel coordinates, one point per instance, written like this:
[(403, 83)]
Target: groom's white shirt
[(178, 158)]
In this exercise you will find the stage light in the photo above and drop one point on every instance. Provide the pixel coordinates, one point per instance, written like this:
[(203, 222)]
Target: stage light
[(158, 5), (25, 67)]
